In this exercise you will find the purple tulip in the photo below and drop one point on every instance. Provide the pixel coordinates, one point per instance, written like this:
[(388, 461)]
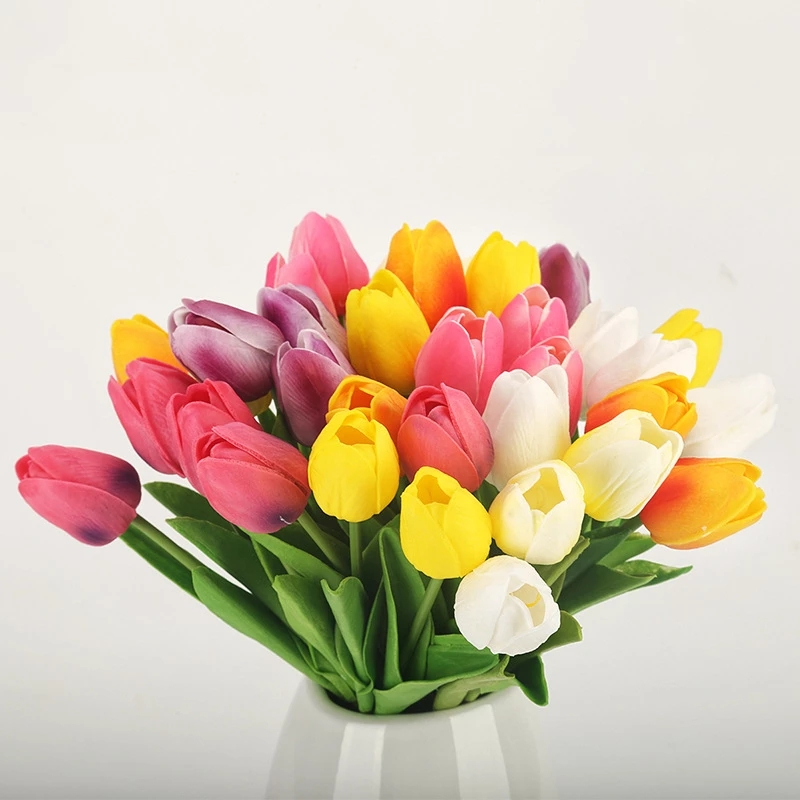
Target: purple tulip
[(92, 496), (305, 377), (565, 276), (222, 343)]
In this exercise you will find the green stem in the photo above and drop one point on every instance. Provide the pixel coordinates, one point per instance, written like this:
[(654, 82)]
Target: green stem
[(421, 617), (355, 549), (323, 540), (165, 543)]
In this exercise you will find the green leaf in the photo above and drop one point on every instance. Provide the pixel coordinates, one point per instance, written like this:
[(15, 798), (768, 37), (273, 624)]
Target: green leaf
[(635, 544), (375, 638), (597, 549), (452, 656), (568, 632), (598, 583), (658, 573), (455, 692), (602, 530), (166, 564), (558, 585), (551, 572), (185, 502), (531, 679), (230, 551), (349, 604)]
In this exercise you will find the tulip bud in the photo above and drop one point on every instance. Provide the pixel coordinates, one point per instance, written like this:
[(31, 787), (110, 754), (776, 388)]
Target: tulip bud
[(385, 331), (429, 265), (139, 337), (528, 418), (506, 606), (374, 399), (683, 325), (498, 271), (622, 463), (302, 271), (463, 351), (529, 318), (445, 532), (565, 276), (539, 513), (141, 405), (221, 343), (663, 397), (353, 468), (704, 500), (339, 265), (252, 478), (731, 415), (92, 496)]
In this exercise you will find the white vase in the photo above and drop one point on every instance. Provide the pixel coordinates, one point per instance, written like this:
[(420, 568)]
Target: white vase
[(485, 749)]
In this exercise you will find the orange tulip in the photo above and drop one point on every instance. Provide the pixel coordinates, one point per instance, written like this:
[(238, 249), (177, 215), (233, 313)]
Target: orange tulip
[(704, 500), (429, 265), (663, 396), (378, 401)]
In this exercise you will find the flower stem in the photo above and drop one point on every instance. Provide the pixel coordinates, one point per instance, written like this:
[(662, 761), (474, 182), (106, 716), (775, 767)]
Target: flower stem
[(165, 543), (421, 617), (323, 540), (355, 549)]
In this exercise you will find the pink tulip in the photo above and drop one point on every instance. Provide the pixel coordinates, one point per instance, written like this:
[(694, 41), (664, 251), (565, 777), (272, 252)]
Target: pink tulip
[(92, 496), (565, 276), (441, 428), (141, 405), (195, 412), (252, 478), (463, 351), (302, 270), (529, 318), (339, 265)]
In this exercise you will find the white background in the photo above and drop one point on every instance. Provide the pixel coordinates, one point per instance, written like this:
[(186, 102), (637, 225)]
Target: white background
[(152, 151)]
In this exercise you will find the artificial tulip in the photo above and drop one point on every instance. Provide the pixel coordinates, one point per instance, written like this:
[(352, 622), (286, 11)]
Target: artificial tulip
[(465, 352), (538, 514), (622, 463), (445, 532), (340, 266), (353, 468), (429, 265), (253, 479), (221, 343), (92, 496), (664, 397), (731, 416), (442, 428), (506, 606), (139, 337), (141, 403), (302, 270), (529, 318), (683, 325), (565, 276), (498, 271), (704, 500), (385, 331), (528, 418), (376, 400), (305, 377)]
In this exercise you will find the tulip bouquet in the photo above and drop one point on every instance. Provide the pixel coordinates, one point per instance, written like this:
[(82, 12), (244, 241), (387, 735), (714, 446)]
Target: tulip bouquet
[(407, 485)]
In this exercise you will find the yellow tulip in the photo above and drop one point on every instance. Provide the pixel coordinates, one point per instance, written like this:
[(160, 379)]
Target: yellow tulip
[(683, 325), (377, 401), (353, 468), (499, 271), (139, 337), (385, 331), (445, 532)]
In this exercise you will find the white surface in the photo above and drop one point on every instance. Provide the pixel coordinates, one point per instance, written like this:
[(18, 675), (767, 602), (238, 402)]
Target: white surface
[(152, 151)]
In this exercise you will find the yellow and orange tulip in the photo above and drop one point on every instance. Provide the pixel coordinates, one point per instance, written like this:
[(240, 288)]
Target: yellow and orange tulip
[(376, 400), (684, 325), (139, 337)]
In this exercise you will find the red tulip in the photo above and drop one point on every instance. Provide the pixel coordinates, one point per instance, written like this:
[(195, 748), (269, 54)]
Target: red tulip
[(441, 428), (141, 405), (92, 496), (252, 478)]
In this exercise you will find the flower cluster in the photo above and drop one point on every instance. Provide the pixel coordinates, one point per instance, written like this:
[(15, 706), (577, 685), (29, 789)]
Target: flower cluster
[(418, 476)]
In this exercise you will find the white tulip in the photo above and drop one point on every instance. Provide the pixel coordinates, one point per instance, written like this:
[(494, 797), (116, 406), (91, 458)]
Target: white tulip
[(528, 418), (539, 513), (731, 415), (506, 606), (622, 463)]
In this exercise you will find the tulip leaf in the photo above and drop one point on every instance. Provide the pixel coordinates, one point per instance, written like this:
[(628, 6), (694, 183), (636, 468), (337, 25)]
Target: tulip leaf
[(597, 549), (247, 615), (603, 530), (551, 572), (232, 552), (185, 502), (452, 656), (349, 603), (635, 544), (166, 564), (530, 677), (558, 585), (596, 584), (345, 659), (400, 697), (454, 693), (371, 569), (375, 636), (658, 572), (297, 560), (569, 632)]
